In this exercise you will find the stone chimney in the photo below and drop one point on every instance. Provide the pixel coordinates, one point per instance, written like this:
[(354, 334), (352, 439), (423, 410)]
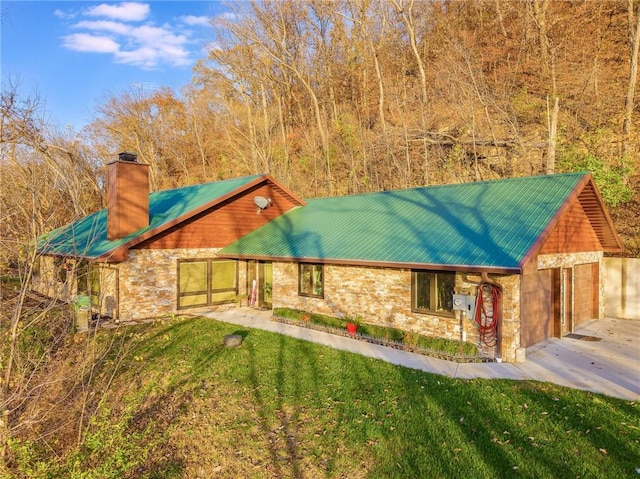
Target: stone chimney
[(127, 196)]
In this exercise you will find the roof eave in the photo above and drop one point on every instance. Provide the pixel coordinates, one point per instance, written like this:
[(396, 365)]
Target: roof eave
[(378, 264), (619, 247)]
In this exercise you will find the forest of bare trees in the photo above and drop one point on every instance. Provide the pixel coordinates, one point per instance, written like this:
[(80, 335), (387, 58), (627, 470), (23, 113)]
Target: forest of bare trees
[(356, 95)]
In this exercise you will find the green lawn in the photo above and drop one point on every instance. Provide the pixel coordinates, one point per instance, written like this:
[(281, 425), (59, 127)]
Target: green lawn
[(182, 405)]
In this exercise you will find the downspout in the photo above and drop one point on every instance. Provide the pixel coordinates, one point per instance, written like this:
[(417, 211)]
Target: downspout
[(486, 279)]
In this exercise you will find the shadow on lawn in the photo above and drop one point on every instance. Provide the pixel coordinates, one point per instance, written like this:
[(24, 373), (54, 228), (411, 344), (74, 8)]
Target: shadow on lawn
[(323, 410), (406, 423)]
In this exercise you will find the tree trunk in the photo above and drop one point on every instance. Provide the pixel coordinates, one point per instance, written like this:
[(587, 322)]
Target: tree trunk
[(553, 129), (634, 47)]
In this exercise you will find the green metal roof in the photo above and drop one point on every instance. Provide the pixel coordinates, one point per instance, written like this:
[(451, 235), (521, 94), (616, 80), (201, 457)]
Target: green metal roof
[(488, 224), (87, 237)]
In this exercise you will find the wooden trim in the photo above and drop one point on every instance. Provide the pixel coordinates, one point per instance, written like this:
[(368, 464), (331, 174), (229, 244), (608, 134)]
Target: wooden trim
[(573, 233), (377, 264), (605, 237), (285, 190)]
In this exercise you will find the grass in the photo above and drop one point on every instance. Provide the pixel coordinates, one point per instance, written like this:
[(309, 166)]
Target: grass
[(448, 348), (182, 405)]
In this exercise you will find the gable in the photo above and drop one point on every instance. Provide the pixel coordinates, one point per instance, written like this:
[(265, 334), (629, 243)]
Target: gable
[(581, 224), (226, 222), (573, 233)]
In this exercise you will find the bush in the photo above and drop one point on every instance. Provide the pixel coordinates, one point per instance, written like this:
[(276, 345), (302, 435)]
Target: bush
[(609, 178)]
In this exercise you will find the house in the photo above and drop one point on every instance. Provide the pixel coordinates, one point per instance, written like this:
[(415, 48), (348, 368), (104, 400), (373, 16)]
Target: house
[(149, 255), (503, 263)]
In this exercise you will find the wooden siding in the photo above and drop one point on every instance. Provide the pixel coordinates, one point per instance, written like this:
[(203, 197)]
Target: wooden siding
[(599, 218), (538, 306), (224, 223), (573, 233), (585, 292), (127, 198)]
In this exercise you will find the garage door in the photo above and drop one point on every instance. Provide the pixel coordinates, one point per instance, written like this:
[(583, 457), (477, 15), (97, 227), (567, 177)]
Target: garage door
[(586, 292), (537, 307)]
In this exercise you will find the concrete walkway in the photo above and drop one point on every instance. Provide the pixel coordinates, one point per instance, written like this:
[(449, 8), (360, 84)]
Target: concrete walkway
[(609, 366)]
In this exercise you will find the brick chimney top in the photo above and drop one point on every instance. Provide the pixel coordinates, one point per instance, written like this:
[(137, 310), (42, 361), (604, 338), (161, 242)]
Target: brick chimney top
[(127, 196), (128, 156)]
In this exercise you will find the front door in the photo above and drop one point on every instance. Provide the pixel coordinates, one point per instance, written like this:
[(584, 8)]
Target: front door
[(260, 283), (265, 280)]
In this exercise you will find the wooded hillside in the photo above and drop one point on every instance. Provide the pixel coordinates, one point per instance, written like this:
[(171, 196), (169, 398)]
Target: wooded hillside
[(351, 96)]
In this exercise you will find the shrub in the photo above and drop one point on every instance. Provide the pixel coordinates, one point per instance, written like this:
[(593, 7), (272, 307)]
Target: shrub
[(448, 347), (609, 178)]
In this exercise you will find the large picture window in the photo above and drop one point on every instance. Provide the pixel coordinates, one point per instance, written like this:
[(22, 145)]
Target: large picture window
[(432, 292), (207, 281), (311, 280)]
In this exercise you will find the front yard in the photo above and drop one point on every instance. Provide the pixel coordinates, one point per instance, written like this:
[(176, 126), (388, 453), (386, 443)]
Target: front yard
[(170, 401)]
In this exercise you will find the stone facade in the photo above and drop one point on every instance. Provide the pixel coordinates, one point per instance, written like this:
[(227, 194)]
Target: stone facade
[(106, 303), (56, 278), (145, 286), (148, 282), (382, 296)]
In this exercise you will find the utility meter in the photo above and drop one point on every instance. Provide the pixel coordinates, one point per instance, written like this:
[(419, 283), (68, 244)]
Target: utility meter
[(466, 303)]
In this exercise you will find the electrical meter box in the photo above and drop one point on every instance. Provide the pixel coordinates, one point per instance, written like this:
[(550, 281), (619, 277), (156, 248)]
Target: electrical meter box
[(465, 303)]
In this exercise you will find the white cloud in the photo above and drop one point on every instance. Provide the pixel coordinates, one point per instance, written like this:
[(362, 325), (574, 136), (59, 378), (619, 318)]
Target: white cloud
[(104, 26), (148, 57), (63, 15), (192, 20), (144, 45), (83, 42), (126, 11)]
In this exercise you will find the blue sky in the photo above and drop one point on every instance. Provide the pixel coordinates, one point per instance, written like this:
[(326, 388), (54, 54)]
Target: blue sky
[(74, 54)]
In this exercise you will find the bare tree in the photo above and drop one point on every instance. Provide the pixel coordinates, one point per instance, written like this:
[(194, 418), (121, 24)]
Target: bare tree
[(46, 181), (633, 12)]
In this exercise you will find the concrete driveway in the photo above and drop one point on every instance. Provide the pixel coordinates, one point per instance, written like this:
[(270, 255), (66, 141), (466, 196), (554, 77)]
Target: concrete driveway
[(606, 360)]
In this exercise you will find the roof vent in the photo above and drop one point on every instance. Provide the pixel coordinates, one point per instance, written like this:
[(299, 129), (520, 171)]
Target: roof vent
[(128, 156)]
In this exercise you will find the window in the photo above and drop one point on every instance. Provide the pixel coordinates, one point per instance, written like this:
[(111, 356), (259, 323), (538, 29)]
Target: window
[(62, 268), (310, 280), (204, 282), (432, 292)]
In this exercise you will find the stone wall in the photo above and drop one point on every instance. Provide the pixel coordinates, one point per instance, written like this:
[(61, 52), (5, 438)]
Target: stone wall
[(148, 282), (383, 296), (48, 278)]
